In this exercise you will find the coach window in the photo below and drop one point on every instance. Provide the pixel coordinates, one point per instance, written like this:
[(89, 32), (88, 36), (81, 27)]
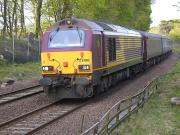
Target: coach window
[(112, 49)]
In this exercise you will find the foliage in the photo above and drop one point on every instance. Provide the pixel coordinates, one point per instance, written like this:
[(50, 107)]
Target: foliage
[(134, 13), (2, 60), (175, 33), (128, 13), (166, 27), (170, 28)]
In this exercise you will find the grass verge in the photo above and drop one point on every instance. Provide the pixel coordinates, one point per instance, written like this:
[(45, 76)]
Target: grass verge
[(20, 71), (157, 117)]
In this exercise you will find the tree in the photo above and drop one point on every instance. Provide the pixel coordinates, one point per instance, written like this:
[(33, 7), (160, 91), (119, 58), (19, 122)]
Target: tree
[(37, 5), (134, 13), (15, 17), (170, 28), (22, 20), (67, 11), (165, 27), (4, 17)]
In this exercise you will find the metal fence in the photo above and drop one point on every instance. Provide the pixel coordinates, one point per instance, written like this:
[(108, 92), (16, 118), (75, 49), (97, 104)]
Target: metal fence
[(121, 110), (13, 50)]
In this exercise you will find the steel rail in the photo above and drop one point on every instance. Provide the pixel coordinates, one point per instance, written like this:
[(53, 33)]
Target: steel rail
[(12, 96), (57, 118), (24, 115), (24, 124)]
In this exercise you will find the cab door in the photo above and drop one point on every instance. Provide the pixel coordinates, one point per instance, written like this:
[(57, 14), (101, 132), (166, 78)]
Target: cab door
[(97, 50)]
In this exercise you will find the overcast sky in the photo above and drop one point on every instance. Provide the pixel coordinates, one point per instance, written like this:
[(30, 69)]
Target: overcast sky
[(164, 10)]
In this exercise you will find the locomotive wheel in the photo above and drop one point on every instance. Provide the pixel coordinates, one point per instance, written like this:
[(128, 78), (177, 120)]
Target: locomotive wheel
[(89, 91), (105, 84), (80, 90)]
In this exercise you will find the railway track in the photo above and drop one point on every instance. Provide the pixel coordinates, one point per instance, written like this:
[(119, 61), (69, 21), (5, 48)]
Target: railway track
[(33, 121), (12, 96)]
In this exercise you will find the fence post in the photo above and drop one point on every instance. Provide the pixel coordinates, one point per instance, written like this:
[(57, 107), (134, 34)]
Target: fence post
[(107, 121), (82, 123), (156, 84), (138, 99), (143, 98), (28, 51), (129, 109), (13, 48), (118, 109), (39, 55), (95, 132)]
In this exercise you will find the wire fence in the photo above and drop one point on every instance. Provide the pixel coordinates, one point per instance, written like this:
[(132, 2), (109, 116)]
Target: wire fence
[(122, 109), (13, 50)]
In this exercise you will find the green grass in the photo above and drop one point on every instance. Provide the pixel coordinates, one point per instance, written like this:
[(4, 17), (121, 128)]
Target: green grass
[(157, 117), (177, 47), (20, 71)]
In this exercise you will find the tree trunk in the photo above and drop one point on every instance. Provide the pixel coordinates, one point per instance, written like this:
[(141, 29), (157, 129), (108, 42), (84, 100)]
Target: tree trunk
[(22, 20), (67, 9), (14, 17), (5, 18), (37, 5), (9, 21), (38, 19)]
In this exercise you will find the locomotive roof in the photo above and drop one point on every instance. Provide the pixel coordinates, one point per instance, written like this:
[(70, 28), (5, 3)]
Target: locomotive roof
[(164, 36), (109, 29), (124, 30), (146, 34)]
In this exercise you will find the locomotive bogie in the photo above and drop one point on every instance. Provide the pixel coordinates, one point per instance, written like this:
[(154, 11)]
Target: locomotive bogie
[(67, 86)]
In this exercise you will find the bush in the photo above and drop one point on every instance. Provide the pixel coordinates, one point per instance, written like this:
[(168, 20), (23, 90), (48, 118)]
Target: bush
[(2, 60)]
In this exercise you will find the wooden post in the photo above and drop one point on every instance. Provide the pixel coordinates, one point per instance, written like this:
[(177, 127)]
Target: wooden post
[(13, 48), (82, 123)]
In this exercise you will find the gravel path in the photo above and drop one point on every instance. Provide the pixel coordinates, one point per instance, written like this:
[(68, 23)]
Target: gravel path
[(70, 125)]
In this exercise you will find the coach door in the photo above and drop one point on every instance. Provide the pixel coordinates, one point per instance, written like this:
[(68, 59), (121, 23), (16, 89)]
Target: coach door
[(144, 45)]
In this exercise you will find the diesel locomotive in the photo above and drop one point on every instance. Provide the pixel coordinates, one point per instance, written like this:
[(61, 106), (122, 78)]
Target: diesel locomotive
[(81, 58)]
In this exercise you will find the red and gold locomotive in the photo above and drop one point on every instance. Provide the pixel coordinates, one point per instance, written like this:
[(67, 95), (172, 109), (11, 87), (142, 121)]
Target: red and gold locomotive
[(81, 57)]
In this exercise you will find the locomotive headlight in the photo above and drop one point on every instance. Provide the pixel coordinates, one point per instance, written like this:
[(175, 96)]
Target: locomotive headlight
[(84, 67), (47, 68)]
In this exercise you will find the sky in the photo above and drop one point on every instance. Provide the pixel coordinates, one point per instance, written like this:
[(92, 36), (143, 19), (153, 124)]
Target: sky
[(164, 10)]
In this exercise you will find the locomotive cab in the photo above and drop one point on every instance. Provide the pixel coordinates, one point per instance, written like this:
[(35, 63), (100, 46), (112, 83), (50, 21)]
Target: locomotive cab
[(66, 59)]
